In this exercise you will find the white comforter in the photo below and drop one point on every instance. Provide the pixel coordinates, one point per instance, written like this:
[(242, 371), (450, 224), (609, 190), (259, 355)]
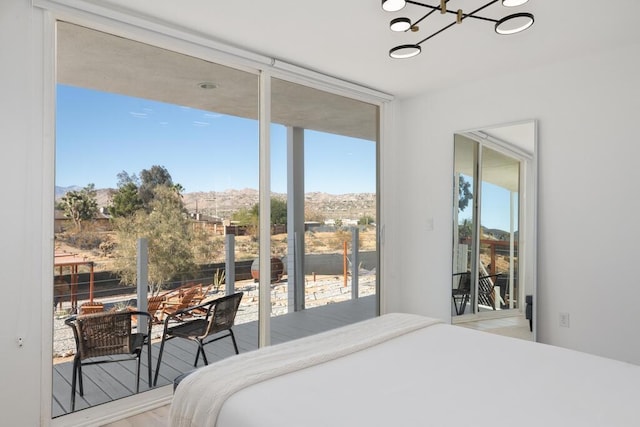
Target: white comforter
[(199, 397)]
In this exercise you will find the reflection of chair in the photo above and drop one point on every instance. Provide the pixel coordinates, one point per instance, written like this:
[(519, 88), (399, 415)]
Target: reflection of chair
[(486, 293), (529, 310), (103, 335), (460, 295), (502, 282), (220, 316)]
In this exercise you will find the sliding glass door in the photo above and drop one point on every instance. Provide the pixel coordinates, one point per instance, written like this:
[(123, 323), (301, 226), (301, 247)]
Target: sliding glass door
[(157, 146), (159, 188), (324, 181), (486, 228)]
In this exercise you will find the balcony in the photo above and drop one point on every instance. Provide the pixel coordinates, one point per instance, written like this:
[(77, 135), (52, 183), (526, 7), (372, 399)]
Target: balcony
[(105, 383)]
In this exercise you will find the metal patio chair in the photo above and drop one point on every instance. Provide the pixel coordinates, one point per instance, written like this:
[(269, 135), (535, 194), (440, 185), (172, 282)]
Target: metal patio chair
[(219, 316), (460, 295)]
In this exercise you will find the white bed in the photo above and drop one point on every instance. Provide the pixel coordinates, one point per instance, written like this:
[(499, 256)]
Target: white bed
[(414, 372)]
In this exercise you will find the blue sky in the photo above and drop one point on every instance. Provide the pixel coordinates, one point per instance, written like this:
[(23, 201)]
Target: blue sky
[(496, 207), (100, 134)]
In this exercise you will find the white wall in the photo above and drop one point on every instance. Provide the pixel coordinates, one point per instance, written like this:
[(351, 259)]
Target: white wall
[(21, 248), (588, 231)]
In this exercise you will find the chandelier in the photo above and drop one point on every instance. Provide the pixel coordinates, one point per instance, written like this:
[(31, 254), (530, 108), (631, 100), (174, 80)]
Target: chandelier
[(510, 24)]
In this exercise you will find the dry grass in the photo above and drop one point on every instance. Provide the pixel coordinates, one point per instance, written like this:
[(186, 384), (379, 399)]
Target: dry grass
[(246, 246)]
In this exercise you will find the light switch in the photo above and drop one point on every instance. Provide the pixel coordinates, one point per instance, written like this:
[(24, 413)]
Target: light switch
[(429, 224)]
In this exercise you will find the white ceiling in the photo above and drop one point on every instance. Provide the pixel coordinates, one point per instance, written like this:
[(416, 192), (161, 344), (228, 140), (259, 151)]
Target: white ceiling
[(350, 39)]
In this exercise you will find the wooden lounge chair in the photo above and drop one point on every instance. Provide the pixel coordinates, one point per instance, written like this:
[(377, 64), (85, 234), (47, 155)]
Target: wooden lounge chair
[(91, 307), (202, 294), (171, 306), (153, 305), (220, 314)]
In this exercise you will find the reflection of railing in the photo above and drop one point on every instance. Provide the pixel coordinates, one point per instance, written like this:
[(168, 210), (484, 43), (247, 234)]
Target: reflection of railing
[(495, 247), (498, 247)]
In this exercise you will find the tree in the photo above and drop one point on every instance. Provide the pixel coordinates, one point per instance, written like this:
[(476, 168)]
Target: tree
[(278, 211), (125, 201), (170, 240), (464, 193), (80, 205), (366, 220), (152, 178), (135, 193), (124, 178), (245, 217), (464, 229)]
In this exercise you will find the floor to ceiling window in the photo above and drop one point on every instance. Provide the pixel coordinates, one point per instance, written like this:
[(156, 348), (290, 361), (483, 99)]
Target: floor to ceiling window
[(149, 143), (156, 144)]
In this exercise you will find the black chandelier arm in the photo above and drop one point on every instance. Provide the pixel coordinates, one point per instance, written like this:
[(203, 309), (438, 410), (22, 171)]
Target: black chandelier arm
[(470, 15), (423, 18), (464, 15), (436, 33)]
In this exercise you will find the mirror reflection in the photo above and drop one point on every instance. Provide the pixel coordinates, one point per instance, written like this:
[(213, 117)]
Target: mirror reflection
[(489, 284)]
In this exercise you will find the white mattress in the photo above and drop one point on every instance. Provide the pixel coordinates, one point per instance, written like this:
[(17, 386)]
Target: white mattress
[(445, 375)]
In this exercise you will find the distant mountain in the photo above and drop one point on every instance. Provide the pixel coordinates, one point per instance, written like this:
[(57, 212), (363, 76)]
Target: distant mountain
[(61, 191), (103, 195), (224, 203), (497, 233)]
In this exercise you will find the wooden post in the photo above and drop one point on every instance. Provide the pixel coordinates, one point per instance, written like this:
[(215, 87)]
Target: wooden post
[(74, 287), (91, 283), (355, 261), (492, 270)]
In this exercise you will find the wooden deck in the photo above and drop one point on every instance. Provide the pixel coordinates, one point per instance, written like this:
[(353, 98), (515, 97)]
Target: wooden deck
[(111, 381)]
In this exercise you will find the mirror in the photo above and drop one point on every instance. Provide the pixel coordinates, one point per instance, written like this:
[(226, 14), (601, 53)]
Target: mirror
[(493, 272)]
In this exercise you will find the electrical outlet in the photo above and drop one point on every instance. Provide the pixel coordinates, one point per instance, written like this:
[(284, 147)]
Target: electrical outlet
[(564, 320)]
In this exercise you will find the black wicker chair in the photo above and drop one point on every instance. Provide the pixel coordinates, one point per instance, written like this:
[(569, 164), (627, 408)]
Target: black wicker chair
[(100, 336), (460, 295), (202, 324)]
